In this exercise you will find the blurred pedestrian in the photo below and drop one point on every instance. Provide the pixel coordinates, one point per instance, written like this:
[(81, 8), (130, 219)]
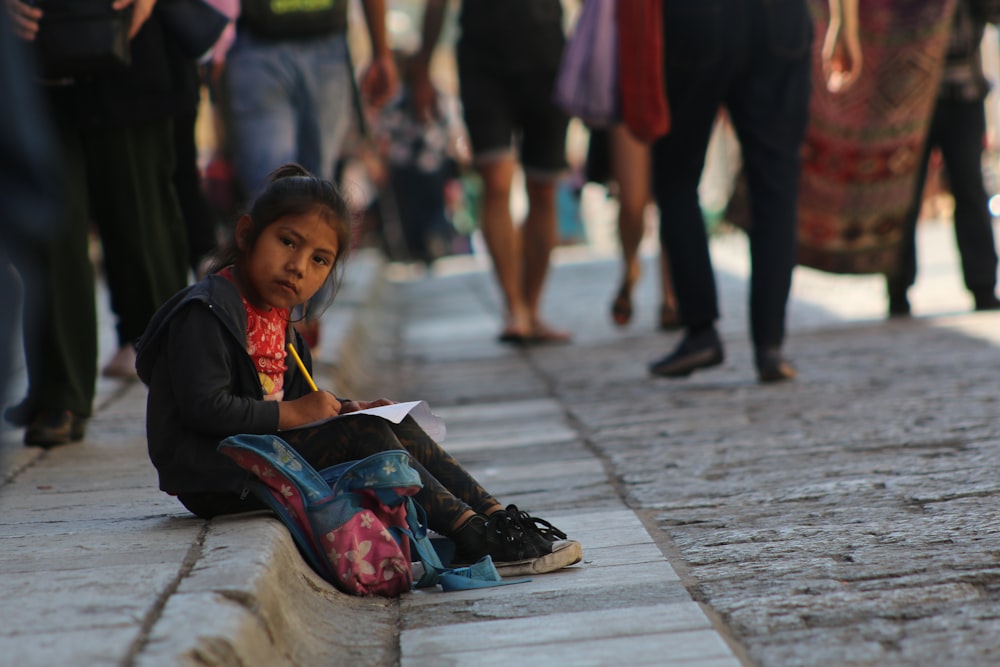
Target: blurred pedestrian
[(114, 130), (30, 190), (753, 57), (289, 84), (421, 157), (508, 56), (957, 129)]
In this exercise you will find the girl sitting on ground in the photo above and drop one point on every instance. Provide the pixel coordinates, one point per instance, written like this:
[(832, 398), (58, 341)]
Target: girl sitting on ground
[(215, 360)]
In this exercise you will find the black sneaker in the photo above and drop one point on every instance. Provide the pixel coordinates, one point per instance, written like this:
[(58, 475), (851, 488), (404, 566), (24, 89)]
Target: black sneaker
[(516, 543), (533, 523)]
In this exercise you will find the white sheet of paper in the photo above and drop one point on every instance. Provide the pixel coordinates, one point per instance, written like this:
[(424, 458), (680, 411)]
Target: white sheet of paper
[(419, 410)]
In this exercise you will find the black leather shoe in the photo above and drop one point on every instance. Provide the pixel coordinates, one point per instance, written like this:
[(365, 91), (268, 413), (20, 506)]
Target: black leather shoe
[(55, 427), (773, 367), (899, 305), (702, 350), (986, 300)]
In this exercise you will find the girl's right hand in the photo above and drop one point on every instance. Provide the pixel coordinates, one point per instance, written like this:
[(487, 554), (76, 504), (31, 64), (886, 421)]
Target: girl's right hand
[(314, 406)]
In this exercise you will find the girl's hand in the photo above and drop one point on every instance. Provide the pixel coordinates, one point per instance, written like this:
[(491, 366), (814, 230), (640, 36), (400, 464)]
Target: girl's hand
[(354, 406), (314, 406)]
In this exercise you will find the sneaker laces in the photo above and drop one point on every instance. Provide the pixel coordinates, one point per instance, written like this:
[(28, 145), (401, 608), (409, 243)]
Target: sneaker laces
[(526, 523)]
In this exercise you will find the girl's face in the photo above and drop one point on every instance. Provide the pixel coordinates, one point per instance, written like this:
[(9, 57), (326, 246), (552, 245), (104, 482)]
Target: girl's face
[(290, 261)]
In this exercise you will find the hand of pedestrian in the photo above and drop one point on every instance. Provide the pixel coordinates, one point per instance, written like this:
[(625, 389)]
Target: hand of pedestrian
[(842, 57), (378, 84), (423, 96), (141, 10), (25, 19)]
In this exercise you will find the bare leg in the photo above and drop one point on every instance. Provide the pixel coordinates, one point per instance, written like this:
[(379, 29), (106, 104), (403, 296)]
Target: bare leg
[(503, 240), (669, 317), (540, 238), (630, 164)]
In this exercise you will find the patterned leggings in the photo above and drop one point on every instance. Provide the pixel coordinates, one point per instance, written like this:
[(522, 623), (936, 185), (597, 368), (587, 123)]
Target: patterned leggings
[(448, 489)]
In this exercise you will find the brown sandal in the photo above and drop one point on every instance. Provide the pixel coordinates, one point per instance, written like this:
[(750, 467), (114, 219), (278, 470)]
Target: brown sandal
[(621, 307)]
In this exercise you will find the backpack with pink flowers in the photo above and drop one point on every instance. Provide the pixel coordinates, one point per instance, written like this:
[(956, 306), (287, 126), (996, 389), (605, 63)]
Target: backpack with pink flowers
[(355, 523)]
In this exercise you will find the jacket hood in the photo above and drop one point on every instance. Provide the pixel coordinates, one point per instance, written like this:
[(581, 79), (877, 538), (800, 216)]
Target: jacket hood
[(215, 292)]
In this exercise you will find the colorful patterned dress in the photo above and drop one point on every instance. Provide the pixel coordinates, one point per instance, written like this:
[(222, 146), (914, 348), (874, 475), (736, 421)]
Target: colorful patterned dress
[(863, 146)]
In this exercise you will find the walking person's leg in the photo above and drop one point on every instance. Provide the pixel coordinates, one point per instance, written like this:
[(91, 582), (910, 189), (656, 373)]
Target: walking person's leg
[(543, 156), (960, 135), (901, 280), (769, 107), (699, 64), (142, 230), (504, 243), (60, 340), (630, 170)]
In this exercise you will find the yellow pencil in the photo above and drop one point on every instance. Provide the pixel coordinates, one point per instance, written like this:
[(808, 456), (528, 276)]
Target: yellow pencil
[(302, 367)]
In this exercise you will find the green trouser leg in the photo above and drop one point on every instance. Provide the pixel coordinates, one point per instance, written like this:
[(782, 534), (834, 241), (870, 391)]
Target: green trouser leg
[(61, 340), (137, 212)]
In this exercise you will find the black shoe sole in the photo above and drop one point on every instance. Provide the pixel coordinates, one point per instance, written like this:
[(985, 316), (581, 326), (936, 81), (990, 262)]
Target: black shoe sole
[(683, 366)]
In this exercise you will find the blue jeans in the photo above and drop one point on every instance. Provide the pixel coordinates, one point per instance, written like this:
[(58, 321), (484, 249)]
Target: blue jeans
[(290, 101), (752, 57)]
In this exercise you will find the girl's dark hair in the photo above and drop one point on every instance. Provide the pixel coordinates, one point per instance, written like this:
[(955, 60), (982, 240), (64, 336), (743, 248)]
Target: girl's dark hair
[(292, 190)]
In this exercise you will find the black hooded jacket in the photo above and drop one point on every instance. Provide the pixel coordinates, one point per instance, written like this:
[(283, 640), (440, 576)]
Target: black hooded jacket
[(203, 387)]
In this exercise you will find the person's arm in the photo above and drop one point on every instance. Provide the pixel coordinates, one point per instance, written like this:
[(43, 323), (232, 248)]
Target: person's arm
[(141, 11), (842, 46), (26, 17), (378, 84), (422, 93)]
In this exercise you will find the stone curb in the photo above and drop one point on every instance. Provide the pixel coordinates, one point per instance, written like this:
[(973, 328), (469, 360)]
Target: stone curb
[(246, 598)]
